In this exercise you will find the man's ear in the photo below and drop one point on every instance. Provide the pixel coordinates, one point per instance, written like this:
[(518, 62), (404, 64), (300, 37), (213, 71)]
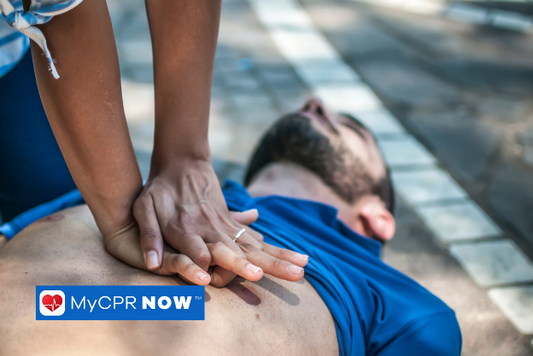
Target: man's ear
[(378, 222)]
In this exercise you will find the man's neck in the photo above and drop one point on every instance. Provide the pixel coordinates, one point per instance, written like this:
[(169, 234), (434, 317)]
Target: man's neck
[(293, 181), (290, 180)]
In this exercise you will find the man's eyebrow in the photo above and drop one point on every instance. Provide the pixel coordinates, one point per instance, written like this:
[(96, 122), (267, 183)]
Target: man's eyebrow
[(357, 121), (359, 125)]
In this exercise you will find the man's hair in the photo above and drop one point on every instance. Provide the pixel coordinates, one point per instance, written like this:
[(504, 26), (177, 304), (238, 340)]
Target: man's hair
[(294, 139)]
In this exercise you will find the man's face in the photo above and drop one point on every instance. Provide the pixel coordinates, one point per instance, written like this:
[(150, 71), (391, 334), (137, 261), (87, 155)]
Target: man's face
[(334, 147), (345, 132)]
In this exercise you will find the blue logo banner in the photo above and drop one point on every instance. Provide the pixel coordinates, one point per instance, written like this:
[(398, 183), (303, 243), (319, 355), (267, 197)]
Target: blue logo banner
[(120, 302)]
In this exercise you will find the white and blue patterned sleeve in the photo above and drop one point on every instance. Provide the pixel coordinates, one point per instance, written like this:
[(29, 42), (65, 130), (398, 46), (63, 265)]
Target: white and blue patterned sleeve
[(13, 44)]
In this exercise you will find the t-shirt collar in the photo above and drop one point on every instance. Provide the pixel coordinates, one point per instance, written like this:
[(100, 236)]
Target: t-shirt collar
[(316, 210)]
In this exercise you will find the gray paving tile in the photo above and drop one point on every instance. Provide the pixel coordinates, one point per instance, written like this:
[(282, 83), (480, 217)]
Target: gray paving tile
[(281, 14), (252, 39), (138, 101), (225, 51), (405, 150), (456, 222), (468, 13), (380, 121), (317, 72), (426, 185), (244, 140), (138, 51), (424, 7), (511, 21), (385, 3), (241, 80), (135, 27), (144, 159), (350, 98), (267, 56), (250, 100), (138, 72), (228, 64), (517, 304), (259, 117), (142, 135), (119, 16), (280, 77), (494, 263), (292, 31), (280, 68), (290, 100), (220, 137), (303, 46)]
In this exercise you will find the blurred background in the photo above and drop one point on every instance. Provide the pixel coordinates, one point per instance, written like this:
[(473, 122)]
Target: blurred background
[(447, 87)]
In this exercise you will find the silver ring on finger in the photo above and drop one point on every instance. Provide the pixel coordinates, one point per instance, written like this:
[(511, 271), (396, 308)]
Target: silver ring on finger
[(239, 234)]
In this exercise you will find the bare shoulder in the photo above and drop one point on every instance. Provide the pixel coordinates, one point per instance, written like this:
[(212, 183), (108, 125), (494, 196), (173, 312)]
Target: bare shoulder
[(66, 248)]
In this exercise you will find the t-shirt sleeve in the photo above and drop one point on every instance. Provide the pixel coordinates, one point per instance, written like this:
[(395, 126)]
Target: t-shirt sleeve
[(437, 334)]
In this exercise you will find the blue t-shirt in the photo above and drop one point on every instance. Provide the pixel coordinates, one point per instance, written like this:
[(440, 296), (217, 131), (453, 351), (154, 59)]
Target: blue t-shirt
[(377, 310)]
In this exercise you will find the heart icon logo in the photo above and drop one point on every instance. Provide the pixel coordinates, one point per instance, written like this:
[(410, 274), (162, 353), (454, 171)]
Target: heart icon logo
[(52, 302)]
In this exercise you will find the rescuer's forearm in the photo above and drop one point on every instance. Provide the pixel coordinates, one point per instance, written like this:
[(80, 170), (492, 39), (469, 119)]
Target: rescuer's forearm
[(84, 107), (184, 36)]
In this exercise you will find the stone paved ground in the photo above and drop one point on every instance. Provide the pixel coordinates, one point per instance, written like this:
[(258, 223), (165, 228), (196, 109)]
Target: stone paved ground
[(462, 91)]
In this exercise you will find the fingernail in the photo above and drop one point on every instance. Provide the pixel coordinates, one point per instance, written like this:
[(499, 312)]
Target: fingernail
[(151, 259), (295, 269), (302, 258), (253, 268), (201, 276)]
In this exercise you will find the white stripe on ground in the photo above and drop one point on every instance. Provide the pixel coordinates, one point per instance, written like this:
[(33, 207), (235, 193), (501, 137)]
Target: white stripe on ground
[(454, 222), (462, 12), (405, 150), (467, 13), (493, 263), (435, 196), (516, 303), (424, 7), (511, 21)]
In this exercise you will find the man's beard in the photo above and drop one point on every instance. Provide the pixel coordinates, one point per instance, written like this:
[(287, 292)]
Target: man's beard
[(294, 139)]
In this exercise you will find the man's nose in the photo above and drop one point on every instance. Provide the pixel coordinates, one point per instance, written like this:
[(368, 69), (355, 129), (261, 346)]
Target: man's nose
[(315, 106)]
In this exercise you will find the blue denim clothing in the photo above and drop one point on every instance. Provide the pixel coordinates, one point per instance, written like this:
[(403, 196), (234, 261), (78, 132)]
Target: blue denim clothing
[(32, 168)]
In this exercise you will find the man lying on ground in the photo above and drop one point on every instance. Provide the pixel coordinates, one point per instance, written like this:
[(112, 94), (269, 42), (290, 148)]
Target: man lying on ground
[(322, 189)]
